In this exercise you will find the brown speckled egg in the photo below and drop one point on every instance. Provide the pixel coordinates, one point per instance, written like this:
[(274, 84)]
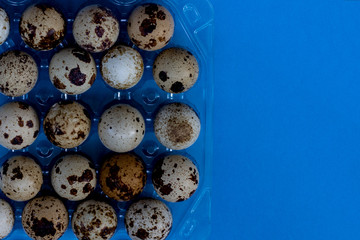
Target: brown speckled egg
[(72, 71), (95, 28), (175, 70), (6, 219), (150, 27), (67, 124), (20, 178), (121, 128), (4, 26), (18, 73), (148, 219), (42, 27), (175, 178), (123, 176), (19, 125), (177, 126), (73, 177), (122, 67), (45, 218), (94, 220)]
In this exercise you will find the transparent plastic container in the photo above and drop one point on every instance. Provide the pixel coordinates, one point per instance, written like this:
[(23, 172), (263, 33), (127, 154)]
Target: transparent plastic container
[(194, 32)]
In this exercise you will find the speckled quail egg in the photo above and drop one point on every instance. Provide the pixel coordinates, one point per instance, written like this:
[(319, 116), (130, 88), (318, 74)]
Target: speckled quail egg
[(94, 220), (95, 28), (73, 177), (18, 73), (4, 26), (42, 27), (121, 128), (123, 176), (177, 126), (150, 27), (6, 219), (122, 67), (175, 178), (45, 218), (20, 178), (175, 70), (72, 70), (67, 124), (19, 125), (148, 219)]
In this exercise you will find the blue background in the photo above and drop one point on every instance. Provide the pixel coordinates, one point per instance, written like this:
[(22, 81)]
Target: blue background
[(287, 120)]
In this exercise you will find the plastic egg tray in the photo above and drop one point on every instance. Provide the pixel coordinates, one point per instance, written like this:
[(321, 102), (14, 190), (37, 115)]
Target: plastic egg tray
[(194, 32)]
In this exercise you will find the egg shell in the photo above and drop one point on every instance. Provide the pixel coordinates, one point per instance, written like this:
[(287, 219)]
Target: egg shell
[(175, 70), (122, 67), (73, 177), (20, 178), (177, 126), (72, 71), (19, 125), (121, 128), (123, 176), (175, 178), (95, 28), (18, 73), (6, 219), (150, 27), (45, 218), (148, 219), (4, 26), (94, 220), (42, 27), (67, 124)]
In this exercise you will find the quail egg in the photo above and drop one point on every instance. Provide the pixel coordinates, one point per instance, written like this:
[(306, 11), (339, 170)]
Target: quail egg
[(42, 27), (6, 219), (121, 128), (45, 218), (123, 176), (18, 73), (150, 27), (95, 28), (20, 178), (4, 26), (175, 70), (177, 126), (94, 220), (73, 177), (122, 67), (72, 71), (148, 219), (67, 124), (19, 125), (175, 178)]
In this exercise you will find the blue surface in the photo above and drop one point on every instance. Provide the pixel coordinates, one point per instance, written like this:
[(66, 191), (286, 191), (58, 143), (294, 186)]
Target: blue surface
[(287, 120)]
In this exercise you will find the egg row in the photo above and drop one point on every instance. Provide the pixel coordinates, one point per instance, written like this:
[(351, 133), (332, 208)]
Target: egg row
[(122, 177), (121, 127), (95, 28), (46, 218), (73, 70)]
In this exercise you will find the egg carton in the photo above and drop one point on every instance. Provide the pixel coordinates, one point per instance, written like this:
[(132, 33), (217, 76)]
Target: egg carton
[(194, 32)]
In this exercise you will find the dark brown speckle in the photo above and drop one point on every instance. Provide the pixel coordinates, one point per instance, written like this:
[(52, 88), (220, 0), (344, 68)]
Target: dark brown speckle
[(177, 87), (43, 227), (81, 55), (99, 31), (76, 77), (58, 84), (18, 140), (142, 234), (29, 124)]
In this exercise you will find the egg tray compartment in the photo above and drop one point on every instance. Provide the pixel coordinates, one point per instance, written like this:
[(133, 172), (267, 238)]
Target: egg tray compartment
[(194, 32)]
